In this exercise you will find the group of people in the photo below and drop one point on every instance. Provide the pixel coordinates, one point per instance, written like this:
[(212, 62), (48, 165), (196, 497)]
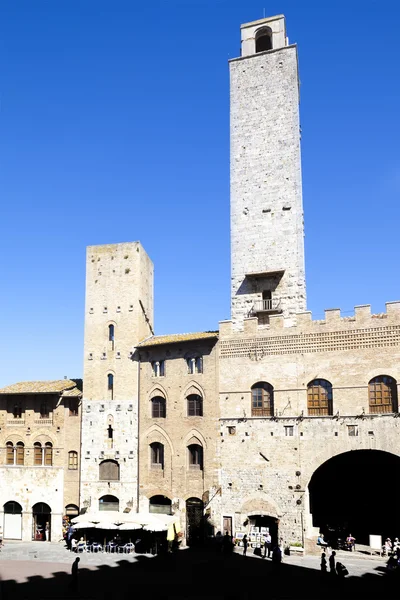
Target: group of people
[(390, 547), (335, 568), (349, 544), (267, 549)]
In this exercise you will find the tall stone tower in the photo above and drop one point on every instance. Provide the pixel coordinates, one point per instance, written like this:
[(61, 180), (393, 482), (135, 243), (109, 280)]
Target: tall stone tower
[(267, 244), (118, 315)]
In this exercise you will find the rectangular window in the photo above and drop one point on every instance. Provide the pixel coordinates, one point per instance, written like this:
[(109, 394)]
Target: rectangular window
[(48, 456), (73, 461), (289, 430), (44, 410), (37, 454), (17, 411), (20, 454), (158, 368), (352, 430)]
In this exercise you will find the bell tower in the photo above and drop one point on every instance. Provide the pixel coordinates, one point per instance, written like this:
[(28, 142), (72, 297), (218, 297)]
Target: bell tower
[(267, 245)]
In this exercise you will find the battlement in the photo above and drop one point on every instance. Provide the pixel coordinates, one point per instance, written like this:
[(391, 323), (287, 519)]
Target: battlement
[(333, 321)]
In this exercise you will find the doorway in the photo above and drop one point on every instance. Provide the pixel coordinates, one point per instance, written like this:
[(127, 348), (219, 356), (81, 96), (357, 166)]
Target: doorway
[(227, 525), (12, 521), (41, 523), (194, 521), (263, 523), (355, 492)]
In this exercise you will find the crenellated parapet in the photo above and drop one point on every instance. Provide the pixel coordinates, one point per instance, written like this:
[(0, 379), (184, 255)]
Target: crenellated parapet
[(334, 333)]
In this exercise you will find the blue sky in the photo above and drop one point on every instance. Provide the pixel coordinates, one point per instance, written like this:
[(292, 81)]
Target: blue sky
[(114, 126)]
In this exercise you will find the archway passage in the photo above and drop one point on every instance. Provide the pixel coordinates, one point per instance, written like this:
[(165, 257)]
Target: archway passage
[(41, 522), (355, 492), (264, 523)]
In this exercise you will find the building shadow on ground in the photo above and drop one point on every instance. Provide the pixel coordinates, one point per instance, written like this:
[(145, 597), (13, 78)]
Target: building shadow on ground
[(200, 573)]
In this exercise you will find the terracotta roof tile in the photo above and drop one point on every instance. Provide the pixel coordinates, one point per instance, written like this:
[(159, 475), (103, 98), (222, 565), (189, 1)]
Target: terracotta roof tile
[(174, 338), (39, 387)]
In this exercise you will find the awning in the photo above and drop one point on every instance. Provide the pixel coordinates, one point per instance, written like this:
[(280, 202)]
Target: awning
[(124, 521)]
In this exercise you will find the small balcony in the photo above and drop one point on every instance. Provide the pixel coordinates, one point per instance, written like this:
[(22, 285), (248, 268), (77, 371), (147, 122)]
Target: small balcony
[(44, 421), (267, 306)]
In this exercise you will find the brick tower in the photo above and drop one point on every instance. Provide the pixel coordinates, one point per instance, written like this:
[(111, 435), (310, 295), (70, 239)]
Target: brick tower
[(267, 244)]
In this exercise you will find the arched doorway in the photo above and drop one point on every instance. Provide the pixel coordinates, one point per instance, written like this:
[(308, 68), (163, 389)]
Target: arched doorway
[(109, 503), (194, 521), (355, 492), (12, 521), (260, 524), (41, 530), (161, 505)]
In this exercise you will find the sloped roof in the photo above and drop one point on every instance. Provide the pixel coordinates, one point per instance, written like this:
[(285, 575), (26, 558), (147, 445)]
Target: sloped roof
[(40, 387), (157, 340)]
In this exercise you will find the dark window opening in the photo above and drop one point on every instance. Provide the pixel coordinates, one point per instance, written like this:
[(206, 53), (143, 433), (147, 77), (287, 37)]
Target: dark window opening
[(158, 407), (73, 407), (157, 455), (161, 505), (195, 456), (264, 40)]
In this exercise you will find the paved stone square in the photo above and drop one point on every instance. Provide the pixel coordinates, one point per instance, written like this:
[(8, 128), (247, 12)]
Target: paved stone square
[(42, 570)]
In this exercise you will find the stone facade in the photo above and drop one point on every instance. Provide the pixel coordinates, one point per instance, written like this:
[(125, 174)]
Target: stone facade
[(118, 314), (40, 426), (267, 247), (276, 456), (190, 367)]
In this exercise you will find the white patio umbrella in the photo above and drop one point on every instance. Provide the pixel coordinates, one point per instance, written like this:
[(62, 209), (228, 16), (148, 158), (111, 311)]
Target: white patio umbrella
[(83, 525)]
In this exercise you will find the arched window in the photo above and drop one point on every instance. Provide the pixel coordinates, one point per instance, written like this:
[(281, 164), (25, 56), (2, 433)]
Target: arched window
[(37, 453), (160, 504), (110, 386), (319, 398), (15, 455), (73, 460), (71, 510), (262, 400), (20, 452), (111, 331), (12, 508), (195, 456), (195, 405), (158, 367), (108, 503), (195, 364), (158, 407), (9, 453), (109, 470), (157, 455), (382, 394), (48, 454), (263, 39)]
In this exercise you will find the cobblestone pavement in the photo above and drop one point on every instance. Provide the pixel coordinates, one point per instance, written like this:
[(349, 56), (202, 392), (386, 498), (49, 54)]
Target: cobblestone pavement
[(42, 571)]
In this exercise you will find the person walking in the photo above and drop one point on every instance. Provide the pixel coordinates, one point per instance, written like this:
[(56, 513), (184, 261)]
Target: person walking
[(276, 556), (74, 575), (351, 542), (324, 567), (245, 544), (332, 565)]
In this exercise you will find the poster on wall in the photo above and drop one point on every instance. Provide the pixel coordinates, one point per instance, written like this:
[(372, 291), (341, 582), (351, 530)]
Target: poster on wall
[(375, 542), (254, 529)]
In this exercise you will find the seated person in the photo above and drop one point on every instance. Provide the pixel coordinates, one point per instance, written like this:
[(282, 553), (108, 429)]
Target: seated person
[(321, 541), (74, 544)]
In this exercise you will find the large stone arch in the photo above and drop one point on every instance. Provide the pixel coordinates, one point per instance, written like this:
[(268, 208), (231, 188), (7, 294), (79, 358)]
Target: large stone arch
[(260, 504), (347, 494)]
